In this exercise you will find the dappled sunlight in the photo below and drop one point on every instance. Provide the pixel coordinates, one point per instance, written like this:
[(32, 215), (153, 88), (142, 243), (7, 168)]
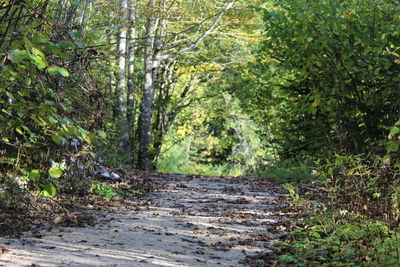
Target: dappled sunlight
[(203, 221)]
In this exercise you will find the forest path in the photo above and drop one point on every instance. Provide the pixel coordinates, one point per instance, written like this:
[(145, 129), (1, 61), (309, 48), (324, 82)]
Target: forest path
[(190, 221)]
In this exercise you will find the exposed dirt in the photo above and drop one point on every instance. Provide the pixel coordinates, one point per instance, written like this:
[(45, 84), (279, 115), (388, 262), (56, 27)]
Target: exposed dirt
[(188, 221)]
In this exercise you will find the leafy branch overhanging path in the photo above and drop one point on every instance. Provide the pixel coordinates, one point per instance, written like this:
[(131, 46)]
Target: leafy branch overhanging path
[(190, 221)]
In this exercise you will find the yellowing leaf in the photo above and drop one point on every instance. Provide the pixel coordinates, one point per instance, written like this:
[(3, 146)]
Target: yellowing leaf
[(58, 220), (55, 172)]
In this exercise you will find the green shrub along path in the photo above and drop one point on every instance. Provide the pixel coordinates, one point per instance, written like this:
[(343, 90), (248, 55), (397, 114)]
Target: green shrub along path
[(189, 221)]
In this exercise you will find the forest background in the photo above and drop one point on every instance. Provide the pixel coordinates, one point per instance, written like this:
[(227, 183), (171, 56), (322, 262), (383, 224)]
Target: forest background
[(280, 89)]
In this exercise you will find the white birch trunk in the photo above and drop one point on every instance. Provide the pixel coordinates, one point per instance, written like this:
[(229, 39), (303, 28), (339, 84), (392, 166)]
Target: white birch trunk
[(121, 76), (148, 91), (130, 114)]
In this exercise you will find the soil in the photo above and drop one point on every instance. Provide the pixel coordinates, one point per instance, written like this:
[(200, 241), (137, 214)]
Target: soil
[(188, 221)]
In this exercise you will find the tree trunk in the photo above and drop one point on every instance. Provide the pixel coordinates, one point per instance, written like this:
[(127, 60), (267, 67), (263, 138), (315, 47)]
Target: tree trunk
[(121, 77), (84, 12), (148, 91), (165, 88), (130, 114)]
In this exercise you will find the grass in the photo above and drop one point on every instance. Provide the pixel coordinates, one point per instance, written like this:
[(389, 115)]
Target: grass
[(287, 172)]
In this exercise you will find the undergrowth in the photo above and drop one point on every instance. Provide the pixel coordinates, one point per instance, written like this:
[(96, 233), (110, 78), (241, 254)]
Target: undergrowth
[(356, 225), (288, 171), (334, 238), (110, 192)]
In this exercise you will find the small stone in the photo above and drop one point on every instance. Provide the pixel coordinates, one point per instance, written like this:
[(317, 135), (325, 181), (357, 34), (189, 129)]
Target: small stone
[(115, 176), (105, 174)]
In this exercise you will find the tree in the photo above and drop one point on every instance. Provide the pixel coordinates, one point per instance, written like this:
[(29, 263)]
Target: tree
[(325, 62), (131, 46), (154, 58), (148, 91), (121, 77)]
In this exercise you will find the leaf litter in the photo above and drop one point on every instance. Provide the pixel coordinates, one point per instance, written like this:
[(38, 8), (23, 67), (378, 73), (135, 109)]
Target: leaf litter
[(181, 220)]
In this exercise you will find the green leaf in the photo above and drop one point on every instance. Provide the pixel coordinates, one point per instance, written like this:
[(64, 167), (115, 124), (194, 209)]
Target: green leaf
[(79, 44), (6, 112), (49, 190), (386, 159), (393, 147), (68, 44), (38, 58), (9, 70), (52, 70), (86, 138), (38, 53), (10, 95), (38, 61), (314, 234), (34, 175), (287, 258), (63, 72), (57, 139), (18, 130), (75, 34), (102, 134), (55, 172), (57, 70), (17, 56), (394, 130)]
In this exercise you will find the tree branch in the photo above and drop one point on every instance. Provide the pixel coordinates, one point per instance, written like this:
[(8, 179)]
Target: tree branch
[(200, 38)]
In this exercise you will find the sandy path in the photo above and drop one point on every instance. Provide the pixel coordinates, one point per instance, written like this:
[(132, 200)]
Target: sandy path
[(193, 221)]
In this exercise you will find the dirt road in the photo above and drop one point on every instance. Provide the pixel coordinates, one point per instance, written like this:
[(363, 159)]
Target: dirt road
[(190, 221)]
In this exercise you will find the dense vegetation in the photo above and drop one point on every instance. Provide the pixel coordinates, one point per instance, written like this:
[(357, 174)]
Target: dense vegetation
[(276, 88)]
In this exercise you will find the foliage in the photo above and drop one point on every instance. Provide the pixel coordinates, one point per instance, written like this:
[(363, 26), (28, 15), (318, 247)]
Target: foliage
[(111, 191), (59, 101), (287, 171), (316, 90), (39, 93), (325, 85), (177, 160), (103, 190), (324, 81), (368, 187), (215, 135), (341, 239), (356, 220)]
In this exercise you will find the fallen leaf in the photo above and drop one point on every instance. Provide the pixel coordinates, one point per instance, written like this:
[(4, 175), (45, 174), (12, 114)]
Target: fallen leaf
[(4, 250)]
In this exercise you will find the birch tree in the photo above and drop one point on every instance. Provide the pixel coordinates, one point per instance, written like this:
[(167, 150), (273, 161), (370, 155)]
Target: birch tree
[(148, 90), (169, 48), (121, 75), (131, 45)]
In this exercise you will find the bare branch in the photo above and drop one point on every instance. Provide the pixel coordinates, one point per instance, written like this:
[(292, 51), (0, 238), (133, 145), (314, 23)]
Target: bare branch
[(210, 30)]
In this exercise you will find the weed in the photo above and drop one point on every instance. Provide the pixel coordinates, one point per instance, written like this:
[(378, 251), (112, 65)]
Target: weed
[(103, 190)]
